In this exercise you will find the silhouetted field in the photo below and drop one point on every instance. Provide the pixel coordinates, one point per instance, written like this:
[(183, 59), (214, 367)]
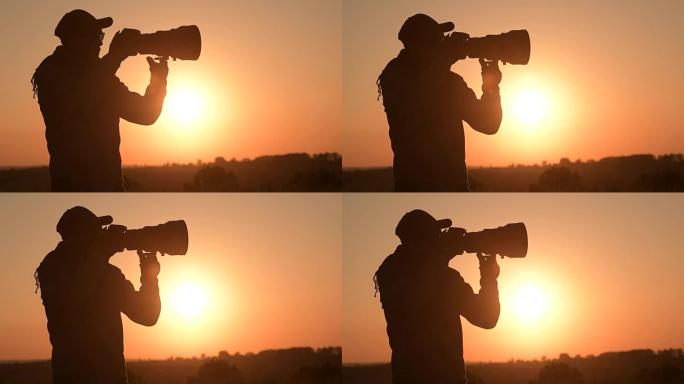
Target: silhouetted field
[(286, 366), (636, 173), (633, 367), (295, 172)]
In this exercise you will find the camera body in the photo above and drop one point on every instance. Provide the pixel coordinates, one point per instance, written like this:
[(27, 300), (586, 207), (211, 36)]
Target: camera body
[(511, 47), (509, 240), (170, 238)]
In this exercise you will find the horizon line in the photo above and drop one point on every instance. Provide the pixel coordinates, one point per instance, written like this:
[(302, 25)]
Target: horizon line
[(315, 348), (538, 359), (656, 155), (6, 167)]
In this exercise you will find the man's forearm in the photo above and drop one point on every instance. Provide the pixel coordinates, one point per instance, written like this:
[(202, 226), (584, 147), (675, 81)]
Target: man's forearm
[(489, 288), (488, 297), (149, 300), (144, 305), (146, 109), (149, 283), (488, 300), (156, 90), (490, 112)]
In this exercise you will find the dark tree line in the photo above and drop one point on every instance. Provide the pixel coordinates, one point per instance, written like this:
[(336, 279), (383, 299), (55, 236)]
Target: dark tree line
[(628, 367)]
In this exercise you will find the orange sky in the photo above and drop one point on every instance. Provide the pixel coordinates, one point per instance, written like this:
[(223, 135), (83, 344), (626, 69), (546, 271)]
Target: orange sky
[(270, 266), (269, 74), (280, 77), (608, 266), (609, 73)]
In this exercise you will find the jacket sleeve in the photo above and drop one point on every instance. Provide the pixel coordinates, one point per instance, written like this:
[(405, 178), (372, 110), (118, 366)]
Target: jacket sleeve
[(142, 306), (483, 115), (143, 109), (481, 309)]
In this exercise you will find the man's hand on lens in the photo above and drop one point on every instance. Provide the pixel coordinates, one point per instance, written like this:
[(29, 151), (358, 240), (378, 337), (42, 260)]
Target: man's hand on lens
[(491, 75), (149, 266), (124, 43), (489, 269), (159, 67)]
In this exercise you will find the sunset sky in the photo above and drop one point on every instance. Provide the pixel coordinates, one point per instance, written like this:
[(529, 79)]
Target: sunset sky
[(604, 77), (262, 271), (603, 272), (268, 80)]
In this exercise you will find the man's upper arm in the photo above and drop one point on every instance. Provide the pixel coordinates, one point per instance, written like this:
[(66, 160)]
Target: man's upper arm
[(466, 100), (129, 103), (123, 289), (458, 291)]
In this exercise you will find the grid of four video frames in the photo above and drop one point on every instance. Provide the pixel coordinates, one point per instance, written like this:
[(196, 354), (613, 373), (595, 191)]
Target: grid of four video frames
[(341, 191)]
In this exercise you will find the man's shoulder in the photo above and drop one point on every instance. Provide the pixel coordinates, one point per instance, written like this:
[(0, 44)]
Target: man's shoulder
[(387, 265), (50, 261), (47, 71), (456, 79), (397, 70), (390, 73), (113, 270), (49, 61), (393, 65), (453, 275)]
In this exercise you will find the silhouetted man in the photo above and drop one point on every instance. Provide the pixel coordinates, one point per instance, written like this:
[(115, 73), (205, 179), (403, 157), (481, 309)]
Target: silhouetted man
[(81, 100), (84, 297), (423, 300), (426, 105)]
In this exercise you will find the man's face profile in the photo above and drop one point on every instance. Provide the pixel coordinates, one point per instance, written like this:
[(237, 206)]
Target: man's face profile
[(82, 236), (86, 46)]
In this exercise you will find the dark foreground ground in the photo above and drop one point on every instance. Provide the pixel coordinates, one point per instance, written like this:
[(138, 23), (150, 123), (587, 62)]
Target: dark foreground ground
[(632, 367), (286, 366), (295, 172), (636, 173)]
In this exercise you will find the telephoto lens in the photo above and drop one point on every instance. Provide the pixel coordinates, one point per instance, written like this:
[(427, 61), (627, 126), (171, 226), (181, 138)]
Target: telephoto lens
[(170, 238), (509, 240), (184, 43)]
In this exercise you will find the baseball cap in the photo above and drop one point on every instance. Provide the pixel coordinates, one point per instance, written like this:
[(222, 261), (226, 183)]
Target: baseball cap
[(79, 22), (78, 219), (418, 223), (421, 27)]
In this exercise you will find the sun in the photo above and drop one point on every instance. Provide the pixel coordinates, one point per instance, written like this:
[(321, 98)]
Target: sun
[(531, 303), (531, 107), (185, 105), (189, 300)]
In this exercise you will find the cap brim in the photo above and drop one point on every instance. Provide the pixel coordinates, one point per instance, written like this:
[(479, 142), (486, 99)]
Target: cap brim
[(444, 223), (105, 220), (446, 27), (105, 22)]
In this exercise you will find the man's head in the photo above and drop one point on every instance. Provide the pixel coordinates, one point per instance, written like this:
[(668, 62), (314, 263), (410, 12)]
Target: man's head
[(419, 227), (81, 33), (80, 225), (421, 33)]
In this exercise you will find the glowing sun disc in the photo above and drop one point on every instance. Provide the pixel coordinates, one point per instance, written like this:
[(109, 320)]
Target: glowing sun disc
[(530, 303), (531, 106), (185, 105), (189, 300)]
